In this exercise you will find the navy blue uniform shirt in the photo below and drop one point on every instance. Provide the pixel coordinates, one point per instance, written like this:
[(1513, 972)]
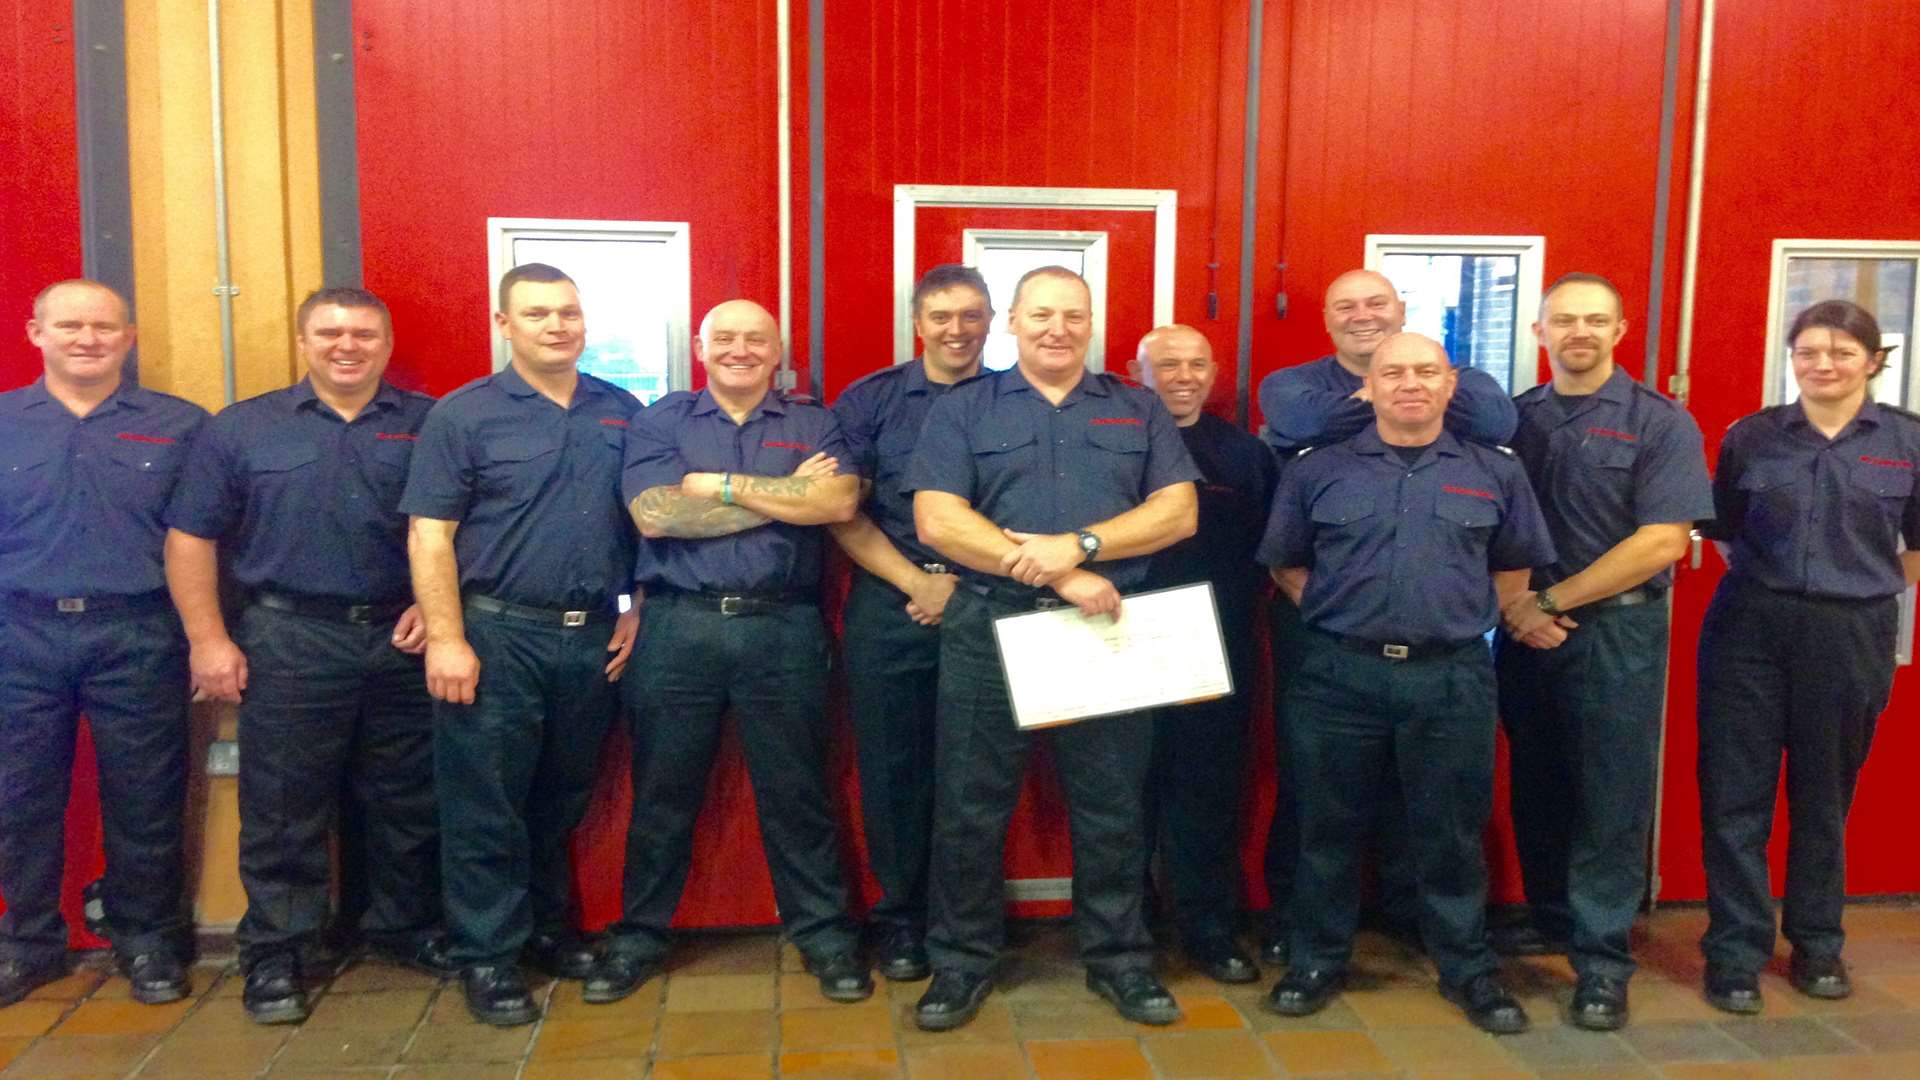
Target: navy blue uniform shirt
[(1806, 514), (1237, 476), (82, 499), (881, 415), (1604, 464), (1032, 466), (535, 488), (1404, 553), (1312, 404), (304, 501), (685, 432)]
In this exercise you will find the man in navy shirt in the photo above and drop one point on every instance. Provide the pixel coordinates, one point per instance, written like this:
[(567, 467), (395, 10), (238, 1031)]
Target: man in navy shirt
[(301, 487), (520, 551), (892, 638), (1021, 478), (1199, 749), (87, 461), (728, 488), (1582, 658), (1398, 546), (1316, 404)]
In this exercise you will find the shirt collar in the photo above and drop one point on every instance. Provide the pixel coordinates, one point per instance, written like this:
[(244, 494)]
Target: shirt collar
[(1796, 416), (128, 394), (773, 404), (1369, 442), (303, 396), (1013, 379)]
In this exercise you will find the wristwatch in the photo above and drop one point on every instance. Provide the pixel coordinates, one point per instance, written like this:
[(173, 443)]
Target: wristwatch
[(1089, 544), (1545, 602)]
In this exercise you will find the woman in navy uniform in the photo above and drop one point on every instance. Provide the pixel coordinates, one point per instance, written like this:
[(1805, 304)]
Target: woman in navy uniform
[(1811, 501)]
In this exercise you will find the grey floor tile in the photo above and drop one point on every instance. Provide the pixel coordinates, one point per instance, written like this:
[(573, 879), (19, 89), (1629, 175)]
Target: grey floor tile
[(1788, 1037), (1667, 1041), (1552, 1045)]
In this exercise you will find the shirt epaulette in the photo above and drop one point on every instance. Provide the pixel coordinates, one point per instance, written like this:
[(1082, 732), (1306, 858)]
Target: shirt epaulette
[(1304, 451)]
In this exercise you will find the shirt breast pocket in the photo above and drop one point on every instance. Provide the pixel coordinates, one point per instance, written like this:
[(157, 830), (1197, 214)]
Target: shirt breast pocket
[(391, 458), (1341, 521), (1119, 453), (1469, 512), (1605, 453), (26, 471), (516, 467), (147, 468), (1885, 488), (1000, 454), (1775, 502)]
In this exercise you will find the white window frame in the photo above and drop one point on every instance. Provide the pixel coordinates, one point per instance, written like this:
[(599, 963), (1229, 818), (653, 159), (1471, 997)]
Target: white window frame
[(503, 231), (1528, 282), (1770, 391), (1093, 249), (1162, 203)]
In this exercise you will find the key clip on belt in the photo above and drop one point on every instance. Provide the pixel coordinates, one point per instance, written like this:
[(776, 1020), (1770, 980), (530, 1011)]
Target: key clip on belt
[(573, 618), (71, 605), (1394, 652)]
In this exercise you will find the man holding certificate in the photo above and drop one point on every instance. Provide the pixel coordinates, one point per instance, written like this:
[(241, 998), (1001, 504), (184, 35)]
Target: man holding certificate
[(1020, 478), (1400, 545)]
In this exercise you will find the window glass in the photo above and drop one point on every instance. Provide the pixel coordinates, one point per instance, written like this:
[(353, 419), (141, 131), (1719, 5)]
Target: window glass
[(1469, 303), (1884, 286), (625, 285), (1003, 267)]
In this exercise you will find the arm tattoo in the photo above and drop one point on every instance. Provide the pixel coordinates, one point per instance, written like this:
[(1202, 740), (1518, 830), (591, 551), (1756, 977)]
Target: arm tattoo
[(669, 512), (793, 487)]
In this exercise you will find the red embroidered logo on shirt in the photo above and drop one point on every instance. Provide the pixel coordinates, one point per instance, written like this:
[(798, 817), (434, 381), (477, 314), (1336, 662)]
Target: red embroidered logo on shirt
[(612, 422), (772, 445), (396, 436), (1885, 463), (1475, 492), (158, 440), (1116, 420), (1612, 434)]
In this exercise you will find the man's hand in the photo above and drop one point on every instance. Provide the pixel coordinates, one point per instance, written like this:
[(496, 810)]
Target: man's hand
[(927, 601), (819, 465), (1292, 581), (1041, 558), (410, 632), (453, 671), (1088, 591), (219, 669), (625, 629), (1530, 626), (1365, 393)]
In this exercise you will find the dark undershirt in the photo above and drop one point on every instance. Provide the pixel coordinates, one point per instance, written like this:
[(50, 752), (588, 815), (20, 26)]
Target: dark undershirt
[(1410, 454)]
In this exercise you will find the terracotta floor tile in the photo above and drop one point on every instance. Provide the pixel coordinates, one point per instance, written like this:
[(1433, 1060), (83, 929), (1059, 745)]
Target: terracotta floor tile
[(81, 1055), (196, 1053), (1035, 979), (1889, 1033), (1886, 955), (687, 1034), (716, 1067), (1339, 1016), (967, 1061), (374, 1010), (123, 1018), (1510, 1073), (868, 1024), (1865, 921), (871, 1064), (1208, 1054), (1600, 1072), (1708, 1070), (719, 993), (744, 954), (1207, 1013), (1791, 1037), (459, 1072), (581, 1040), (1866, 1000), (449, 1043), (1835, 1067), (908, 992), (1077, 1019), (994, 1024), (10, 1047), (1088, 1059), (790, 958), (1306, 1052), (29, 1018), (1460, 1047), (71, 988), (1662, 1000), (640, 1006), (364, 977), (1904, 988), (333, 1049), (1404, 1007), (201, 979)]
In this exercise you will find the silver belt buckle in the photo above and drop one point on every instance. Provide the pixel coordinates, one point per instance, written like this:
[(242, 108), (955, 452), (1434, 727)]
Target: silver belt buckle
[(573, 618), (71, 605), (360, 614), (934, 567), (1394, 652), (733, 605)]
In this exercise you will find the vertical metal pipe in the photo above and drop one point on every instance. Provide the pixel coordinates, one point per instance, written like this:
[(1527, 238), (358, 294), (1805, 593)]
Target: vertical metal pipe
[(1249, 184), (783, 95), (1696, 179), (1663, 195), (223, 287), (817, 198)]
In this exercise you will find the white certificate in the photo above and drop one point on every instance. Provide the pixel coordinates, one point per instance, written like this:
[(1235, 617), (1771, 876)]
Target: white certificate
[(1062, 666)]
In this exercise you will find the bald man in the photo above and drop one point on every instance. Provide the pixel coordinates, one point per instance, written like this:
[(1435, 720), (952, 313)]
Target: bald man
[(1316, 404), (1400, 546), (730, 488), (88, 459), (1198, 749)]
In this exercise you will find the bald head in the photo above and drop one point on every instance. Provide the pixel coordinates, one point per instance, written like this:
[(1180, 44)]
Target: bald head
[(1410, 382), (739, 346), (1176, 363), (82, 332), (79, 285), (1362, 309), (738, 313), (1409, 347)]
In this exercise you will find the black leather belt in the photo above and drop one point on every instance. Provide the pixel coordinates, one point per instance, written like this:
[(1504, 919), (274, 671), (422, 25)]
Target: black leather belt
[(741, 603), (1031, 599), (132, 603), (547, 616), (320, 607), (1641, 595), (1395, 651)]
